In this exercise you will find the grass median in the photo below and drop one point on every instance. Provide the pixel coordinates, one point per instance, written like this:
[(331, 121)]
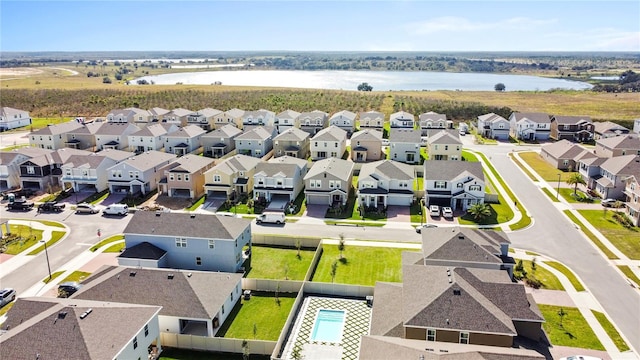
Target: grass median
[(591, 236)]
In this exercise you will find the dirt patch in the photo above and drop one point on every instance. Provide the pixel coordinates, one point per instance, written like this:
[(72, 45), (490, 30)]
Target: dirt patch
[(164, 201), (17, 72)]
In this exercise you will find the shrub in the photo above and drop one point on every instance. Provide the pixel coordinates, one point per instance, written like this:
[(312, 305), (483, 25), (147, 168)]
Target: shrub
[(533, 282)]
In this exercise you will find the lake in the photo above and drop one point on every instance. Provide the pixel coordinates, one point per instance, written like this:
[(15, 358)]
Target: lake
[(380, 80)]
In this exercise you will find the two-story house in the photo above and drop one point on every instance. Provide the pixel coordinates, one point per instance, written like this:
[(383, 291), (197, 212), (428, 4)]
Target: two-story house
[(279, 180), (530, 126), (610, 183), (328, 182), (402, 119), (53, 137), (177, 116), (184, 177), (328, 143), (138, 117), (87, 172), (113, 135), (385, 182), (588, 165), (232, 116), (139, 174), (291, 142), (574, 128), (84, 137), (231, 178), (204, 118), (458, 184), (404, 145), (10, 165), (262, 117), (313, 121), (371, 119), (220, 141), (156, 114), (618, 146), (11, 118), (150, 137), (433, 120), (493, 126), (366, 145), (183, 141), (43, 170), (444, 145), (605, 129), (632, 192), (345, 120), (256, 142), (287, 119)]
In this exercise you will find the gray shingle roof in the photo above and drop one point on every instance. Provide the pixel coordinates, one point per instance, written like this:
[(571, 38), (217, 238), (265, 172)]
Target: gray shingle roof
[(462, 244), (536, 117), (450, 169), (563, 149), (332, 133), (404, 136), (623, 165), (8, 112), (187, 225), (237, 163), (143, 250), (292, 134), (388, 168), (270, 169), (630, 141), (491, 118), (337, 167), (91, 161), (154, 130), (257, 133), (149, 159), (344, 113), (290, 160), (386, 319), (366, 135), (191, 163), (189, 131), (571, 120), (288, 114), (208, 112), (401, 115), (444, 137), (433, 116), (602, 127), (114, 154), (58, 128), (371, 115), (235, 113), (110, 128), (227, 131)]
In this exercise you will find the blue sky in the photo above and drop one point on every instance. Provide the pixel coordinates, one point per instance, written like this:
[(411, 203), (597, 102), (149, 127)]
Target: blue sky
[(507, 25)]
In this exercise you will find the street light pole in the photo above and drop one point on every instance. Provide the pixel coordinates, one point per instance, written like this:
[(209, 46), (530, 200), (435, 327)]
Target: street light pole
[(558, 189), (46, 253)]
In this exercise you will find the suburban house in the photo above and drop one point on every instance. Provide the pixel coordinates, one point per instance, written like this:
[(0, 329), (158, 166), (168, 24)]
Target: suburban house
[(10, 165), (131, 115), (204, 118), (632, 191), (402, 119), (184, 177), (183, 141), (177, 116), (287, 119), (493, 126), (87, 172), (84, 137), (433, 120), (610, 183), (139, 174), (256, 142), (156, 114), (114, 135), (589, 167), (605, 129), (366, 145), (53, 137), (233, 117), (530, 126), (345, 120), (371, 119), (574, 128), (618, 146), (385, 182), (444, 145), (636, 126), (11, 118), (404, 145), (291, 142), (44, 169), (279, 180), (150, 137), (328, 142), (562, 154), (80, 329), (328, 182), (220, 141), (253, 119), (458, 184), (231, 178), (194, 302), (191, 241), (313, 121)]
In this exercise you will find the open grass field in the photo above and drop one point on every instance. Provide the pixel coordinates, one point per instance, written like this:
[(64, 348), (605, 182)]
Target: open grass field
[(626, 240), (269, 262), (548, 280), (569, 330), (543, 168)]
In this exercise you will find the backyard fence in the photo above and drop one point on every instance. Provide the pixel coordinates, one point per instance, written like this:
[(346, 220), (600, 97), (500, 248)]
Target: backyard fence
[(218, 344)]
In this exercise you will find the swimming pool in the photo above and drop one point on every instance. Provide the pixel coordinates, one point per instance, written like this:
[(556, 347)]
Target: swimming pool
[(328, 325)]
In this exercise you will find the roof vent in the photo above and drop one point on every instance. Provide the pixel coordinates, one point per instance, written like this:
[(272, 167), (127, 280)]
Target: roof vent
[(448, 272), (133, 273), (189, 274), (450, 280), (62, 314), (447, 321), (193, 216), (86, 313), (158, 212), (461, 237), (170, 276), (457, 292)]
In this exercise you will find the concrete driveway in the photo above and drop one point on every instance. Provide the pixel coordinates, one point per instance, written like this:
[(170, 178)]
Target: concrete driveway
[(398, 214), (316, 211)]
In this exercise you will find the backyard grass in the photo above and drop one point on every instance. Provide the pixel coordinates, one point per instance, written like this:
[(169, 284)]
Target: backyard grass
[(524, 169), (468, 156), (196, 204), (362, 265), (53, 277), (546, 277), (626, 270), (543, 168), (568, 273), (55, 237), (416, 212), (183, 354), (269, 262), (26, 237), (263, 312), (591, 236), (569, 330), (611, 331), (627, 240), (115, 248), (77, 276), (104, 242)]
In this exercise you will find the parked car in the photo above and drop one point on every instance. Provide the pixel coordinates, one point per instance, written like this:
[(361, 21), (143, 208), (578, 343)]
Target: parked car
[(21, 204), (423, 141), (434, 210), (612, 203), (85, 208), (271, 217), (385, 142), (51, 206), (67, 289), (425, 226), (116, 209), (6, 296), (447, 212), (462, 132)]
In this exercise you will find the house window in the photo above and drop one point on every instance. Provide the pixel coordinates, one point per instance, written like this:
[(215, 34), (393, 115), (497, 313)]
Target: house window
[(475, 188), (431, 334), (441, 185), (31, 170), (446, 147), (135, 342), (336, 145), (279, 182), (198, 261), (179, 177), (316, 183), (460, 185), (130, 174), (212, 244), (217, 178), (119, 173), (85, 172), (181, 242), (223, 308), (171, 177), (501, 126), (146, 330), (331, 184), (186, 177), (67, 172), (464, 338), (231, 296)]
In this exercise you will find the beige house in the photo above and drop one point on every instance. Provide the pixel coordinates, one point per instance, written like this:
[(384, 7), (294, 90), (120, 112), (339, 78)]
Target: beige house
[(291, 142), (185, 177), (314, 121), (371, 119), (328, 182), (632, 191), (366, 145), (618, 146), (287, 119), (204, 118), (433, 120), (114, 135), (129, 115), (345, 120), (84, 137), (329, 142), (444, 145), (53, 137), (233, 176), (177, 116), (220, 141), (233, 117)]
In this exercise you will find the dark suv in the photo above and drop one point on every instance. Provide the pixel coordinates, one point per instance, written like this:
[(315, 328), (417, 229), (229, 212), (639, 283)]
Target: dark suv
[(67, 289)]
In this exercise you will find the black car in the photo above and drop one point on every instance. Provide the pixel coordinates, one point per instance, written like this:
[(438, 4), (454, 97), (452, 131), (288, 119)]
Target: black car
[(51, 206), (67, 289)]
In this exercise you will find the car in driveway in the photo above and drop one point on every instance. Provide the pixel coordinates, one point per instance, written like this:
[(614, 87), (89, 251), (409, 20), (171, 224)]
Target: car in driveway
[(86, 208), (425, 226), (68, 288), (612, 203), (447, 212), (434, 210), (6, 296)]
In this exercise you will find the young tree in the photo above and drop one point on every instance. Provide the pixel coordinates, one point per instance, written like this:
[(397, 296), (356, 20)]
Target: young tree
[(277, 294), (500, 87), (574, 180), (479, 211), (255, 331), (334, 270), (562, 314), (534, 266), (341, 245), (286, 271), (298, 246)]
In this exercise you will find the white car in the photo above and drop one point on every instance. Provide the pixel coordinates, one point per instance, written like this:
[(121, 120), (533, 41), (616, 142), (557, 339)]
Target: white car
[(580, 357), (447, 212), (434, 210), (386, 142)]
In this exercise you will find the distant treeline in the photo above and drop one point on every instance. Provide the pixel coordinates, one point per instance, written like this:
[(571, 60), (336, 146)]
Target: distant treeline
[(629, 82)]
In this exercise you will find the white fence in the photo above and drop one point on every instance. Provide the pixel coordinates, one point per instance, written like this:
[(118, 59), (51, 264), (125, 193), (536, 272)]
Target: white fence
[(218, 344)]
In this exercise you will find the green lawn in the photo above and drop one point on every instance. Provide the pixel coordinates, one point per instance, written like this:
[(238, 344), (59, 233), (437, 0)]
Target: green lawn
[(543, 168), (567, 194), (51, 223), (76, 276), (262, 311), (362, 265), (626, 240), (499, 213), (300, 204), (115, 248), (548, 280), (356, 223), (630, 274), (573, 331), (416, 212), (591, 236), (271, 262), (611, 331), (196, 204), (568, 273), (183, 354), (53, 277), (468, 156), (104, 242), (55, 237), (524, 169), (25, 237), (551, 196)]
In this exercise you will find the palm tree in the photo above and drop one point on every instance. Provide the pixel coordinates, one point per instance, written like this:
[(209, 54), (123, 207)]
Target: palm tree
[(479, 211), (574, 180)]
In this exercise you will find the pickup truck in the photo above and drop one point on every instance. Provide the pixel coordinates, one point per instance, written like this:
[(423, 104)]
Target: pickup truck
[(20, 205), (51, 206)]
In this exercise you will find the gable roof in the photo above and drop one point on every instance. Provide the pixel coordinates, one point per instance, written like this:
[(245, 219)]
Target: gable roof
[(235, 112), (179, 112), (462, 244), (450, 169), (270, 169), (563, 149), (444, 137), (314, 114), (237, 163), (344, 113), (331, 133), (292, 134), (227, 131), (404, 135), (602, 127), (629, 141), (337, 167), (189, 131), (491, 118), (202, 226), (154, 130), (156, 111), (388, 168), (8, 112), (433, 116), (367, 135), (207, 112), (288, 114), (113, 128), (401, 115), (571, 120), (301, 163), (191, 163), (256, 133), (91, 161), (58, 128), (371, 114), (143, 250), (114, 154), (149, 159), (87, 129), (622, 165), (536, 117)]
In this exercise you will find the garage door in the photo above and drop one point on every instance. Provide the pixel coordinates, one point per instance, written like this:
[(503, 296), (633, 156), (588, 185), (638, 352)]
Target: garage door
[(399, 200), (318, 199), (440, 201)]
